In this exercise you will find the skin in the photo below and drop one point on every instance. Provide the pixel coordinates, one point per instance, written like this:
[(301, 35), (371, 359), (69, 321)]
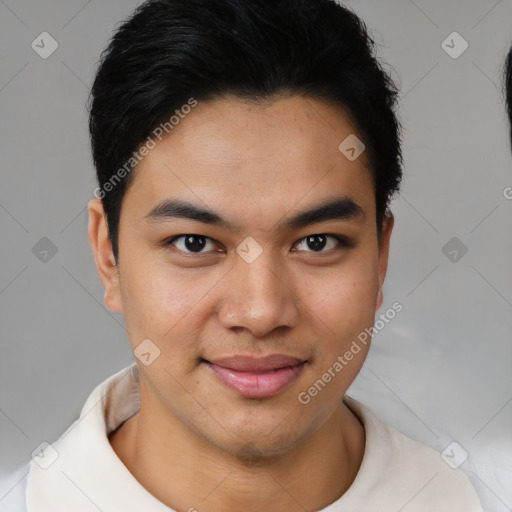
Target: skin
[(195, 442)]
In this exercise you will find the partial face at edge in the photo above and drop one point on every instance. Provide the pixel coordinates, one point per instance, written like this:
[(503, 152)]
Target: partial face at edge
[(198, 299)]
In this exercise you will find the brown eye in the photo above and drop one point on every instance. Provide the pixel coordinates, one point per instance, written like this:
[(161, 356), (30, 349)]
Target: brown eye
[(318, 242), (191, 243)]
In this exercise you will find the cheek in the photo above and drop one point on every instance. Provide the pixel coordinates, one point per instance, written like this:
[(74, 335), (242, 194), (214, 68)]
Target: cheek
[(153, 300), (164, 305), (343, 299)]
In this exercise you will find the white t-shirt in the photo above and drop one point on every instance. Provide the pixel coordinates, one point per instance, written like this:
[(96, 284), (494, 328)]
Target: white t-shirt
[(80, 472)]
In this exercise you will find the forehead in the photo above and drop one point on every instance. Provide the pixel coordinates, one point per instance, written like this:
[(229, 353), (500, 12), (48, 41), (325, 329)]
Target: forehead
[(254, 160)]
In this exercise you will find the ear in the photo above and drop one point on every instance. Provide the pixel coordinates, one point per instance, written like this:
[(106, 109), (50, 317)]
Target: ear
[(103, 255), (387, 227)]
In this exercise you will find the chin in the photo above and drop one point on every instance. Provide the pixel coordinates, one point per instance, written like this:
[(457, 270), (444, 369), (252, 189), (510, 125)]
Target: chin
[(258, 441)]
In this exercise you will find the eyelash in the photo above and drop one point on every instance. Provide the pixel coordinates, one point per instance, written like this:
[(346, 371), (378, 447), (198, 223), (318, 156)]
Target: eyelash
[(344, 243)]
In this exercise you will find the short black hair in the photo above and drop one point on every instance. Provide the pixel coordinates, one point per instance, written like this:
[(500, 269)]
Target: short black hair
[(508, 87), (171, 51)]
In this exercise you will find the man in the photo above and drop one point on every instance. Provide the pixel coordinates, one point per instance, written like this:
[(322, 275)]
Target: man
[(246, 154)]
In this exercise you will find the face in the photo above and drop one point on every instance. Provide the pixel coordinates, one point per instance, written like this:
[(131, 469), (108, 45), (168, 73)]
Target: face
[(250, 301)]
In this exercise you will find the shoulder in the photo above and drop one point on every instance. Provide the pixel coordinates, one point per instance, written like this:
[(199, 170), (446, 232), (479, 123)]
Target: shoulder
[(437, 481), (13, 490), (408, 473)]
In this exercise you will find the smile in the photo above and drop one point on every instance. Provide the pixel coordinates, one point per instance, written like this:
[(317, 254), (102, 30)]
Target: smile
[(257, 378)]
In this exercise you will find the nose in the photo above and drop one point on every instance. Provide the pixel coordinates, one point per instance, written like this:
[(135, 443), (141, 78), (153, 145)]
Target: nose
[(258, 297)]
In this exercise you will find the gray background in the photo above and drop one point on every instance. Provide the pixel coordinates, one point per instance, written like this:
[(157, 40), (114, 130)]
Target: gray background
[(441, 371)]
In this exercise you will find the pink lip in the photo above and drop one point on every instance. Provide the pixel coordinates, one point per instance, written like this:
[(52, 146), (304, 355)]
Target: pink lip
[(257, 377)]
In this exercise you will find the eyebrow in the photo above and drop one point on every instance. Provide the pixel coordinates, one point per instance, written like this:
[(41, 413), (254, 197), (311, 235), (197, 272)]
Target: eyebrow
[(340, 208)]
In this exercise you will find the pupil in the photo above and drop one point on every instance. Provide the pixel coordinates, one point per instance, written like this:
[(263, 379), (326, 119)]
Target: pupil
[(316, 242), (197, 246)]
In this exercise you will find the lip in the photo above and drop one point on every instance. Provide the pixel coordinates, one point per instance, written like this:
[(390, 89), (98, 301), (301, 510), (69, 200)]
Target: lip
[(257, 377)]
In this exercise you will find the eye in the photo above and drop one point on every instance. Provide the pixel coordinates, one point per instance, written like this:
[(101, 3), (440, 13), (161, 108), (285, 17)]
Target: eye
[(318, 242), (191, 243)]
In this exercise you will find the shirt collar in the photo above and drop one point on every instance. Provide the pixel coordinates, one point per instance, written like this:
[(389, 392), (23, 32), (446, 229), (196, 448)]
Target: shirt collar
[(87, 475)]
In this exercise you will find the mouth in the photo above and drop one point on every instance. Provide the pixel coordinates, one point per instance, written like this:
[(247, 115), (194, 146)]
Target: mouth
[(253, 377)]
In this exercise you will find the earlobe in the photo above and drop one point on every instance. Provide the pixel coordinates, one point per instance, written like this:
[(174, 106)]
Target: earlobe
[(103, 255), (387, 228)]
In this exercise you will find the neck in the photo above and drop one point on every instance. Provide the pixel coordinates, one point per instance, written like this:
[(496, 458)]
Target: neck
[(186, 472)]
